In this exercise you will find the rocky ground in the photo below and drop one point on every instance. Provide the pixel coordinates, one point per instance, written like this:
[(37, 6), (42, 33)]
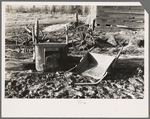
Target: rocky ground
[(123, 84), (23, 81)]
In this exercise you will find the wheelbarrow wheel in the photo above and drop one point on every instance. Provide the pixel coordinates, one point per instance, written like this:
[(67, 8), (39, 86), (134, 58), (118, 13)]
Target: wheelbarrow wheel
[(83, 28), (83, 41), (24, 43)]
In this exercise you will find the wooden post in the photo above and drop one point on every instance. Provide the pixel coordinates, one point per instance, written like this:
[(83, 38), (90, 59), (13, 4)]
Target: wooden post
[(33, 36), (34, 41), (36, 30), (66, 34), (76, 18)]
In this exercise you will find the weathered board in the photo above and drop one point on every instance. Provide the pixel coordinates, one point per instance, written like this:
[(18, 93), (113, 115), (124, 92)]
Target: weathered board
[(131, 17)]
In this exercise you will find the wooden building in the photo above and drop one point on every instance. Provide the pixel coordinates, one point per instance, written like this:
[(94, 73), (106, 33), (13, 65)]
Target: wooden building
[(116, 17)]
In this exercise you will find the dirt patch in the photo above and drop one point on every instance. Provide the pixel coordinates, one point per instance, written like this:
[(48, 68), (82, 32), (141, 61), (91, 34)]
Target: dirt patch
[(23, 81)]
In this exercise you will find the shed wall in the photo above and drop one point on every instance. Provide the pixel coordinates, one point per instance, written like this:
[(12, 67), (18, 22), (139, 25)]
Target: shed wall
[(112, 17)]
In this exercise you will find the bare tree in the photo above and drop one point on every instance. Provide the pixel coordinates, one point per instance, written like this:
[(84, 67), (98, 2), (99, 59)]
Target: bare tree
[(33, 8), (46, 9), (7, 8), (53, 9), (83, 9)]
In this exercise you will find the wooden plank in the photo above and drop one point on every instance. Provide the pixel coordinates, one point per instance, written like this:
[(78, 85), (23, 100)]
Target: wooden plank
[(113, 29), (121, 19), (126, 11), (117, 12), (113, 7), (121, 11), (128, 16), (120, 7), (103, 13), (137, 7), (113, 23)]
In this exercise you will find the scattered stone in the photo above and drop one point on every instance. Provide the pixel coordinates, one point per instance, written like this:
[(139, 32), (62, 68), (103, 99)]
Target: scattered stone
[(78, 93), (140, 80), (116, 85), (105, 89), (85, 88), (78, 88), (131, 87), (131, 96), (69, 81), (115, 96), (68, 74), (49, 84), (134, 82), (57, 73), (25, 92)]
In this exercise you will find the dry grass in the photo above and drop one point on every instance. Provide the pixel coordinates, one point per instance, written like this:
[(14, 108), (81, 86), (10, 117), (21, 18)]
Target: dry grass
[(14, 21)]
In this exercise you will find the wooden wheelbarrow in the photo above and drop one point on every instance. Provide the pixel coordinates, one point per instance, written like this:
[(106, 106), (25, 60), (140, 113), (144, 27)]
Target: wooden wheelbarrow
[(96, 66)]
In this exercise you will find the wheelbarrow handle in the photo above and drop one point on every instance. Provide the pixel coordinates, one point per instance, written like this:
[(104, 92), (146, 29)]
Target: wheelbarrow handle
[(113, 65), (119, 53), (95, 83)]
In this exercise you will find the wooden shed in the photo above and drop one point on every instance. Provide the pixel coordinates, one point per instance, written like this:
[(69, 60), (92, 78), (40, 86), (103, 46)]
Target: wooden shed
[(116, 17)]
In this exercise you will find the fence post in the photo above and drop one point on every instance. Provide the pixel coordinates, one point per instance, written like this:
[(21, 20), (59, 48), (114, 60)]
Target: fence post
[(34, 41), (33, 36), (66, 34), (76, 18), (36, 30)]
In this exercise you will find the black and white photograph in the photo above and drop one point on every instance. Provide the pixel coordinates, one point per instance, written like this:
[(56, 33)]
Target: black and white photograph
[(74, 51)]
